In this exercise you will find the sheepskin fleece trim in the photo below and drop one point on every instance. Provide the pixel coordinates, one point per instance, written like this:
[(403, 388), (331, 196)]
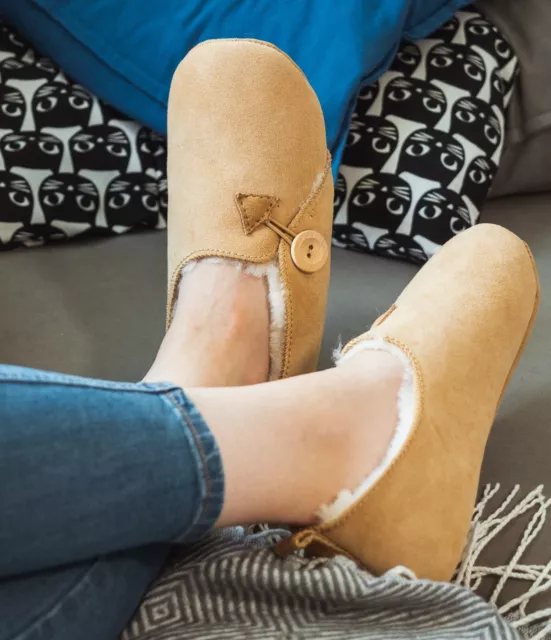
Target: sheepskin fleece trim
[(406, 411)]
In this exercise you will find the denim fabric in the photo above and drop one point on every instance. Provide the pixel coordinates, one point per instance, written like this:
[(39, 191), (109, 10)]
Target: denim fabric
[(96, 480)]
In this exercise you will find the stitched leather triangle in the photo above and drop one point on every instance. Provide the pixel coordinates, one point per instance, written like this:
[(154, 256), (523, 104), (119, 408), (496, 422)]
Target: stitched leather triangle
[(254, 210)]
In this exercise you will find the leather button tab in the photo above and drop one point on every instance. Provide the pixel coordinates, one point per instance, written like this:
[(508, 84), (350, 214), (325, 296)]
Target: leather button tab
[(309, 251)]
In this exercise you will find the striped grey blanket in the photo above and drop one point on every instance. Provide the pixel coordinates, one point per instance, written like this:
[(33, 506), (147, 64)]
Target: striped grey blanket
[(233, 586)]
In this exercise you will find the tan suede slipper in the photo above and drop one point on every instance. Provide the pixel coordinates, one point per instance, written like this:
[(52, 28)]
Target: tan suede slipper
[(250, 180), (460, 328)]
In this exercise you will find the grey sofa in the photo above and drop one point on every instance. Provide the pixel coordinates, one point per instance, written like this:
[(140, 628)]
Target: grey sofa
[(97, 309)]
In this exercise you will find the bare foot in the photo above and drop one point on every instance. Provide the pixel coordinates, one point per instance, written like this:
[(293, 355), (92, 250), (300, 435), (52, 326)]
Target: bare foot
[(220, 331), (291, 446)]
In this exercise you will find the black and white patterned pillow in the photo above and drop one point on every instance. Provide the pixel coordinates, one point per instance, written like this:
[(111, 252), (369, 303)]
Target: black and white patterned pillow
[(425, 142), (69, 164), (423, 148)]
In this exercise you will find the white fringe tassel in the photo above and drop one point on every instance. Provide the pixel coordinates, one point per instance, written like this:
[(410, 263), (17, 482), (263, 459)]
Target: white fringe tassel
[(483, 531)]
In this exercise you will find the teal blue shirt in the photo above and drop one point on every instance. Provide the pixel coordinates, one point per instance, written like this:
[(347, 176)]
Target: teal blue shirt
[(126, 52)]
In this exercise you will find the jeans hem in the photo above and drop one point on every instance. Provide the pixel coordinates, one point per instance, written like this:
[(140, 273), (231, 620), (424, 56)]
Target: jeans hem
[(209, 465)]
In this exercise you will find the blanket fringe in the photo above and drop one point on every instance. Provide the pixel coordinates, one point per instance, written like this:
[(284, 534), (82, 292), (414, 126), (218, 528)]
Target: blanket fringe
[(485, 529)]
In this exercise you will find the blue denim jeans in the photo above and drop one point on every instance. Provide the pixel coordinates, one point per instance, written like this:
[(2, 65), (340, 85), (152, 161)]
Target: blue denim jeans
[(97, 480)]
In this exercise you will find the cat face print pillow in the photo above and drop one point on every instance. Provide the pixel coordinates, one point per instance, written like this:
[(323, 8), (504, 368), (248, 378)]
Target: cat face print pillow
[(425, 142)]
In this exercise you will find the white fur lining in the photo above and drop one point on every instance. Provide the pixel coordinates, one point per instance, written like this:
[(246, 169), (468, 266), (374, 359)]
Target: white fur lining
[(276, 299), (318, 180), (406, 411)]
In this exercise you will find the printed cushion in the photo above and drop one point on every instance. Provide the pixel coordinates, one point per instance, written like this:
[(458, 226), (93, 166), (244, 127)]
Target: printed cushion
[(420, 157), (70, 165), (425, 142)]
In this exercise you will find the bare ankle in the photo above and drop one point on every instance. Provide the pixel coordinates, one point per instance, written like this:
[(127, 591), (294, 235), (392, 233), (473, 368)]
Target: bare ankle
[(219, 332), (353, 439), (291, 446)]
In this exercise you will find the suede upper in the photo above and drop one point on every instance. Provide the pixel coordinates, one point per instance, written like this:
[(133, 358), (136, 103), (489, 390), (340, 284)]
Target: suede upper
[(462, 322), (246, 153)]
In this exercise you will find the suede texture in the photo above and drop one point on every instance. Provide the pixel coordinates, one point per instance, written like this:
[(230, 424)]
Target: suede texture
[(246, 147), (463, 323)]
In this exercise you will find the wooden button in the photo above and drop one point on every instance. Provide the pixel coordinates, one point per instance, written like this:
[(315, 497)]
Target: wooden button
[(309, 251)]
